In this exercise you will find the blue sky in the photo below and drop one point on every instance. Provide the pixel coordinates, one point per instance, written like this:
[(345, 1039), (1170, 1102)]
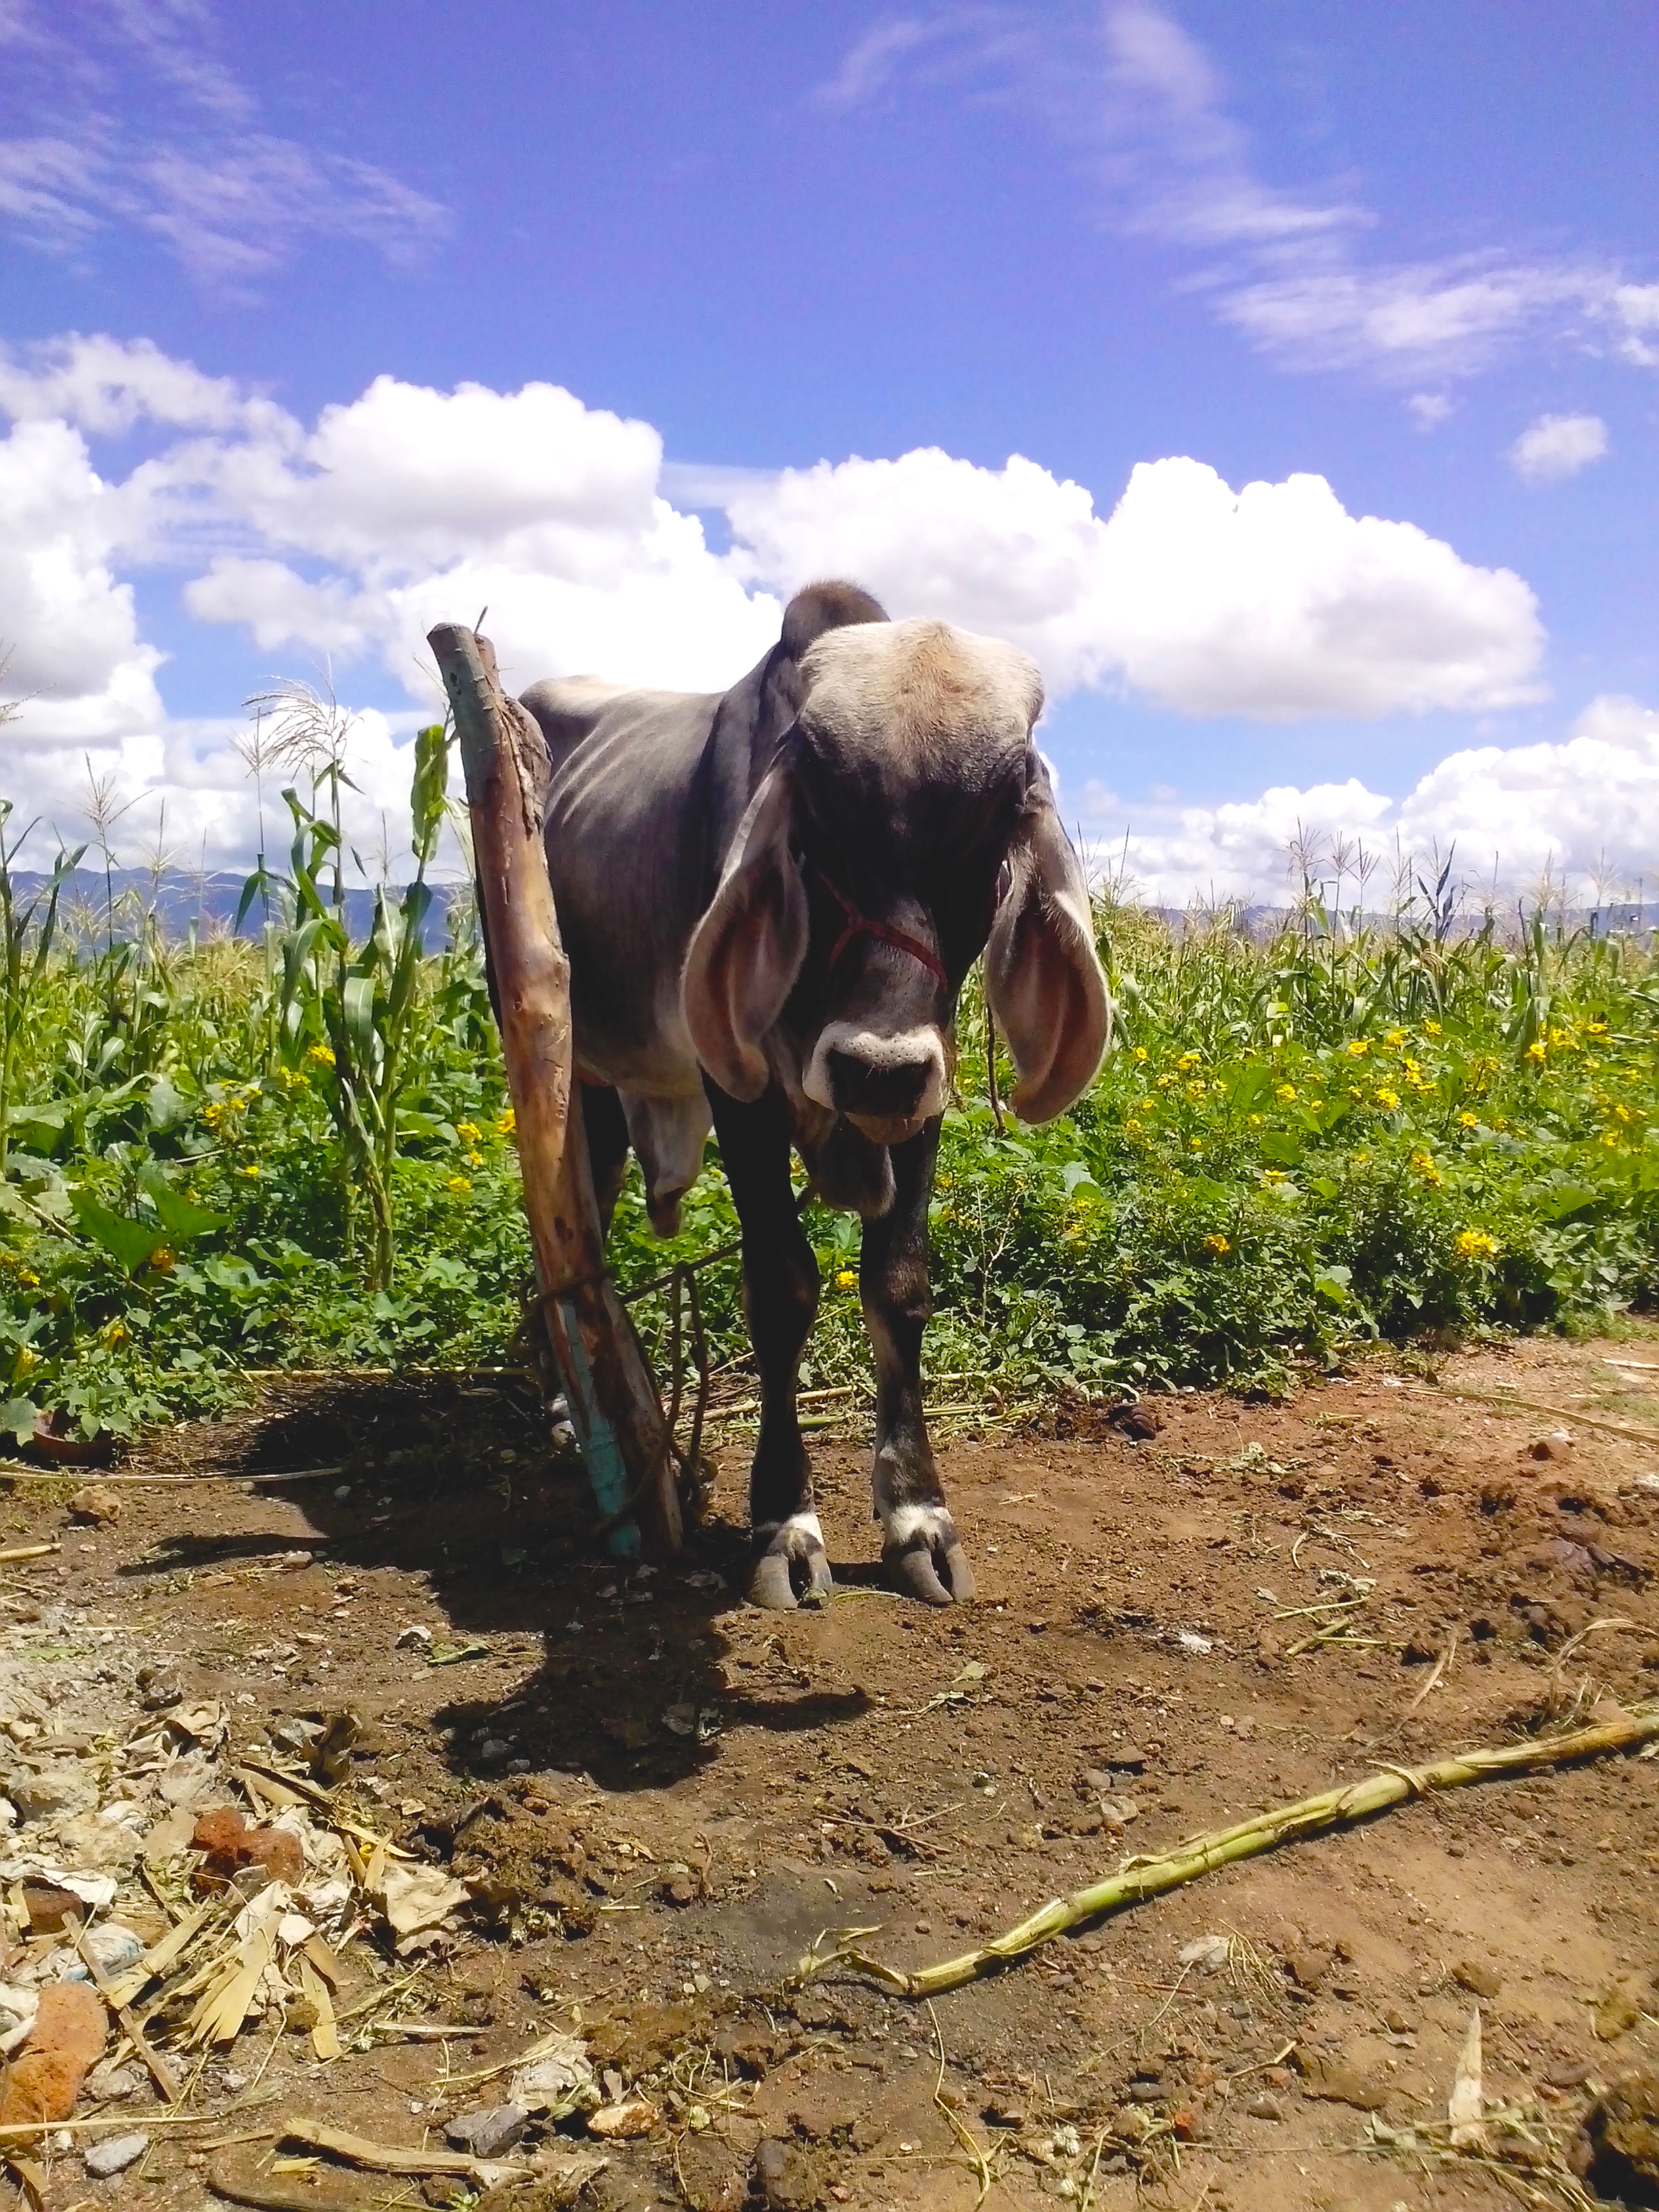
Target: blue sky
[(1404, 252)]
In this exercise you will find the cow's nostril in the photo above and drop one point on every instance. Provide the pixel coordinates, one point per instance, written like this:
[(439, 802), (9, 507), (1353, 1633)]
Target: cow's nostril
[(876, 1087)]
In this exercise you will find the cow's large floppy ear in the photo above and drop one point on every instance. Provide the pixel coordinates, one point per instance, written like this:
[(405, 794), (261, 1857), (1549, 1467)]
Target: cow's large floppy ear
[(748, 949), (1043, 980)]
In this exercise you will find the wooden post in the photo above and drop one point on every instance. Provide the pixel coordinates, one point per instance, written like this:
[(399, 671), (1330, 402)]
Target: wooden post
[(614, 1406)]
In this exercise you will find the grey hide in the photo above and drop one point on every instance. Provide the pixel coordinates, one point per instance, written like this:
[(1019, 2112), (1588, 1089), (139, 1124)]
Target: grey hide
[(769, 897)]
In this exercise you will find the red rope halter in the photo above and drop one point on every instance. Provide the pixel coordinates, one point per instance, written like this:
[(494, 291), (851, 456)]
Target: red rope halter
[(864, 925)]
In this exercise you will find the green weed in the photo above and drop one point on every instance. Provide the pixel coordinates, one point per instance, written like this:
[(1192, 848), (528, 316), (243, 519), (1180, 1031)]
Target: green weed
[(298, 1151)]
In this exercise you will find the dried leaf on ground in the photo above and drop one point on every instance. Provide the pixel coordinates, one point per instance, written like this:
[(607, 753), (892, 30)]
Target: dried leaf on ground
[(556, 2077), (414, 1898)]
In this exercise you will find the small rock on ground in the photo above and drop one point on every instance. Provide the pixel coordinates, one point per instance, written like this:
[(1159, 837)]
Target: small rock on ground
[(115, 2154), (67, 2040), (490, 2131)]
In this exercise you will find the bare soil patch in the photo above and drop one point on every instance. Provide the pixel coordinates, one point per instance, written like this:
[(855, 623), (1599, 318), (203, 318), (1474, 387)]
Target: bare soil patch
[(660, 1797)]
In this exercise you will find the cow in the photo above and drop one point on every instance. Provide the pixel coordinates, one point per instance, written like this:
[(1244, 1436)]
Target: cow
[(769, 897)]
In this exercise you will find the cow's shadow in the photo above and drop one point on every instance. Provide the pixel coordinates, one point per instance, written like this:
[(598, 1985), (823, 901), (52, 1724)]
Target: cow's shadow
[(456, 1485)]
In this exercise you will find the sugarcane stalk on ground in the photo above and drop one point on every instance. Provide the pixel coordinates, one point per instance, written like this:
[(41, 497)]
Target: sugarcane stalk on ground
[(1141, 1878), (613, 1400)]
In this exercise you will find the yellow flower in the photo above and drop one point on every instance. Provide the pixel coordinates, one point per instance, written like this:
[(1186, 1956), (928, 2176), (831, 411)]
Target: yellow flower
[(506, 1123), (1165, 1080), (163, 1261), (845, 1280), (1194, 1146), (250, 1170), (27, 1356), (322, 1053), (1285, 1092), (1621, 1113), (1469, 1121), (1356, 1048), (1475, 1244), (1395, 1038), (1140, 1052), (1610, 1138), (1595, 1029), (475, 1159), (1537, 1050), (1134, 1128), (1188, 1060), (1387, 1100), (114, 1332), (1422, 1162), (458, 1182), (213, 1113), (1430, 1028), (1197, 1090), (467, 1132), (1216, 1244), (1273, 1174), (1256, 1121)]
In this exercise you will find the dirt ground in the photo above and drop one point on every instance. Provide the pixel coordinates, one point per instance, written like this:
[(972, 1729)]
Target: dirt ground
[(662, 1797)]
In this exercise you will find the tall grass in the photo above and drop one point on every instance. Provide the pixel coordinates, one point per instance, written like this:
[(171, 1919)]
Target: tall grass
[(221, 1153)]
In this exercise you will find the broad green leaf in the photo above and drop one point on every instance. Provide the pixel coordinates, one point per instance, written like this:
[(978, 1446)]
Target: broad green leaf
[(130, 1244), (181, 1217), (167, 1106), (17, 1419)]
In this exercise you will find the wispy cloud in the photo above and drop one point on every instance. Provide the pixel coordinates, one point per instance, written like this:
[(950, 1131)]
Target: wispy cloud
[(1300, 272), (1557, 446), (230, 200)]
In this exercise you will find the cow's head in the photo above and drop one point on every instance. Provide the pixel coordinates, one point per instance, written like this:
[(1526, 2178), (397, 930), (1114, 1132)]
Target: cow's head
[(905, 825)]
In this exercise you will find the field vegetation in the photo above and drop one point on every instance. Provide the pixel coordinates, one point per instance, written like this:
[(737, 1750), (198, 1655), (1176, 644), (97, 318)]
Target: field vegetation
[(291, 1149)]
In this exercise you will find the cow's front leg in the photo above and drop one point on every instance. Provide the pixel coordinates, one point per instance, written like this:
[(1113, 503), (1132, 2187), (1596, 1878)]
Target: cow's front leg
[(780, 1297), (919, 1544)]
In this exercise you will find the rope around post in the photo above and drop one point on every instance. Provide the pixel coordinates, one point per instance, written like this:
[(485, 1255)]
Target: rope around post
[(1138, 1879)]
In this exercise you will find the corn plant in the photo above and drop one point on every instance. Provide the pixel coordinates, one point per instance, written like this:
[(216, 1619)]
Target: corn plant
[(351, 1008), (27, 928)]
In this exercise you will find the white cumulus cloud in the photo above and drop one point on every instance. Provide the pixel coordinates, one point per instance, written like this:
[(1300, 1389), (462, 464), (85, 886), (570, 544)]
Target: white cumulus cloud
[(1583, 809), (69, 626), (1272, 601), (1557, 446), (345, 539)]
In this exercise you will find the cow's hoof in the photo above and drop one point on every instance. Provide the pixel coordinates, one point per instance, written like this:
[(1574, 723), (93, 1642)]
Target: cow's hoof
[(927, 1558), (791, 1565)]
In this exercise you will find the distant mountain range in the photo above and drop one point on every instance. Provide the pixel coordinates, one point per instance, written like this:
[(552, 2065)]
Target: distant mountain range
[(181, 902)]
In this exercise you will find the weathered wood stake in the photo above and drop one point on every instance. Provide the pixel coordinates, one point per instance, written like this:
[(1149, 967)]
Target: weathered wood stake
[(614, 1406)]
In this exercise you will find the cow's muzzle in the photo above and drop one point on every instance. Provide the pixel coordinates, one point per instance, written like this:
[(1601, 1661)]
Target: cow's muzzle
[(886, 1086)]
